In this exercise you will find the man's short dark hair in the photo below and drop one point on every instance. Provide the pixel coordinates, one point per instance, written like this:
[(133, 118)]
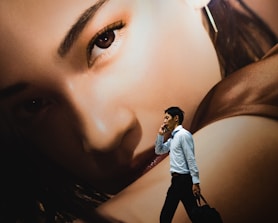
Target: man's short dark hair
[(173, 111)]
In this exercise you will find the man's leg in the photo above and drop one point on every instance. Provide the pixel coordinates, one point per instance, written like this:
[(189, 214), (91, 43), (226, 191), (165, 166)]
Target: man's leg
[(188, 199), (171, 202)]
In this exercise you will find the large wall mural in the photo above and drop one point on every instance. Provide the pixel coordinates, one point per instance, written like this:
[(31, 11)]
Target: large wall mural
[(83, 89)]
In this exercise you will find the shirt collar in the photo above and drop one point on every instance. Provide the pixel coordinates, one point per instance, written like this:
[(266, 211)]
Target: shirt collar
[(178, 128)]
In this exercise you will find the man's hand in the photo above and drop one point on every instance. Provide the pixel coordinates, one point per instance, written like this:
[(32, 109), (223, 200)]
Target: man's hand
[(163, 129), (196, 190)]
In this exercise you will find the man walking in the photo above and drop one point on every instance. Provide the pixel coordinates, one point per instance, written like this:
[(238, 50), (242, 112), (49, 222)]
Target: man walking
[(183, 168)]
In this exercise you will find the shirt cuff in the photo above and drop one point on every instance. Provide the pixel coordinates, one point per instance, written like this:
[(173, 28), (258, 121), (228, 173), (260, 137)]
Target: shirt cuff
[(195, 180)]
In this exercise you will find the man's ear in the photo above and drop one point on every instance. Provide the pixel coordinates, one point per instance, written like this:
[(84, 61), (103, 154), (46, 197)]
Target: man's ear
[(197, 4)]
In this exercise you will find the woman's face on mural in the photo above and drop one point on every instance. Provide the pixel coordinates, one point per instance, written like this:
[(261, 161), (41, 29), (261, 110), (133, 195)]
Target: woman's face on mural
[(90, 91)]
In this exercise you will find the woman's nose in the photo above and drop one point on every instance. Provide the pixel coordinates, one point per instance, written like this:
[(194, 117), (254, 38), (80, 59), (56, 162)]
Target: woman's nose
[(103, 122)]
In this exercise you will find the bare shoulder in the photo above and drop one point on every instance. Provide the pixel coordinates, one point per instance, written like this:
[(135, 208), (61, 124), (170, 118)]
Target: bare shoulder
[(242, 136), (238, 159)]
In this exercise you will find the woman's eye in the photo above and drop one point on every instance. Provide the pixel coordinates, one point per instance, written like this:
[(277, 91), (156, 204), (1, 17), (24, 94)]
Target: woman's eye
[(31, 108), (102, 41), (34, 105), (105, 40)]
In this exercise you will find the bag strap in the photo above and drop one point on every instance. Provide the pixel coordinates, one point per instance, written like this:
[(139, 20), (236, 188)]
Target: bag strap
[(201, 197)]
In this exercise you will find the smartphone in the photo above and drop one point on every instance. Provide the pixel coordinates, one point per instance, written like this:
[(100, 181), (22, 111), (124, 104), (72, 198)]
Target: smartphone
[(165, 129)]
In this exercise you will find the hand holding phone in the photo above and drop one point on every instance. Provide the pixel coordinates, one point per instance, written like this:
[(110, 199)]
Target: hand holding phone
[(164, 128)]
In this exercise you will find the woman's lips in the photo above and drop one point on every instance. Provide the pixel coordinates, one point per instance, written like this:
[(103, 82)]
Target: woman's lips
[(156, 160), (121, 174), (127, 174), (147, 161)]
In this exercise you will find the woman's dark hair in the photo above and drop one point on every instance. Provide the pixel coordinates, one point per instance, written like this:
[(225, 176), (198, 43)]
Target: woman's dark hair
[(242, 36), (34, 189), (47, 193), (173, 111)]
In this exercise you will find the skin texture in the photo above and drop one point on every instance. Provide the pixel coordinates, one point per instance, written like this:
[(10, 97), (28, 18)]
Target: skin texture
[(230, 179), (237, 159), (100, 122)]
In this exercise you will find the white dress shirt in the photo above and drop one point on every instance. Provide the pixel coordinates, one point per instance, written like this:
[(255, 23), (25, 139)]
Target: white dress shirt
[(181, 148)]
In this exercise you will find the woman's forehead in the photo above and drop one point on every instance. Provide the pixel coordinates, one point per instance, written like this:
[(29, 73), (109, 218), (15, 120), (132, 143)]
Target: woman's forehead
[(25, 24), (29, 26), (39, 15)]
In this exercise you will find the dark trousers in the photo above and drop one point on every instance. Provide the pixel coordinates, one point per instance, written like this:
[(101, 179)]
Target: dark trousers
[(180, 190)]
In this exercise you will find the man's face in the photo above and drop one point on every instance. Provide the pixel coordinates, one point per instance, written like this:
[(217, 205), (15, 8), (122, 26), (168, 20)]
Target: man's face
[(170, 122)]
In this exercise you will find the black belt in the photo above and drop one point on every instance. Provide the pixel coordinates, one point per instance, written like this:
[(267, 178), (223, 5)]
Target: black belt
[(174, 174)]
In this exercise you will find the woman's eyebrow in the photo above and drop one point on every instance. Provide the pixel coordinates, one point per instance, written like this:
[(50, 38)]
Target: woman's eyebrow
[(13, 90), (78, 27)]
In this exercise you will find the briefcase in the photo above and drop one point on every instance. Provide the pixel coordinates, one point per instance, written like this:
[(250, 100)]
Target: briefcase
[(204, 213)]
